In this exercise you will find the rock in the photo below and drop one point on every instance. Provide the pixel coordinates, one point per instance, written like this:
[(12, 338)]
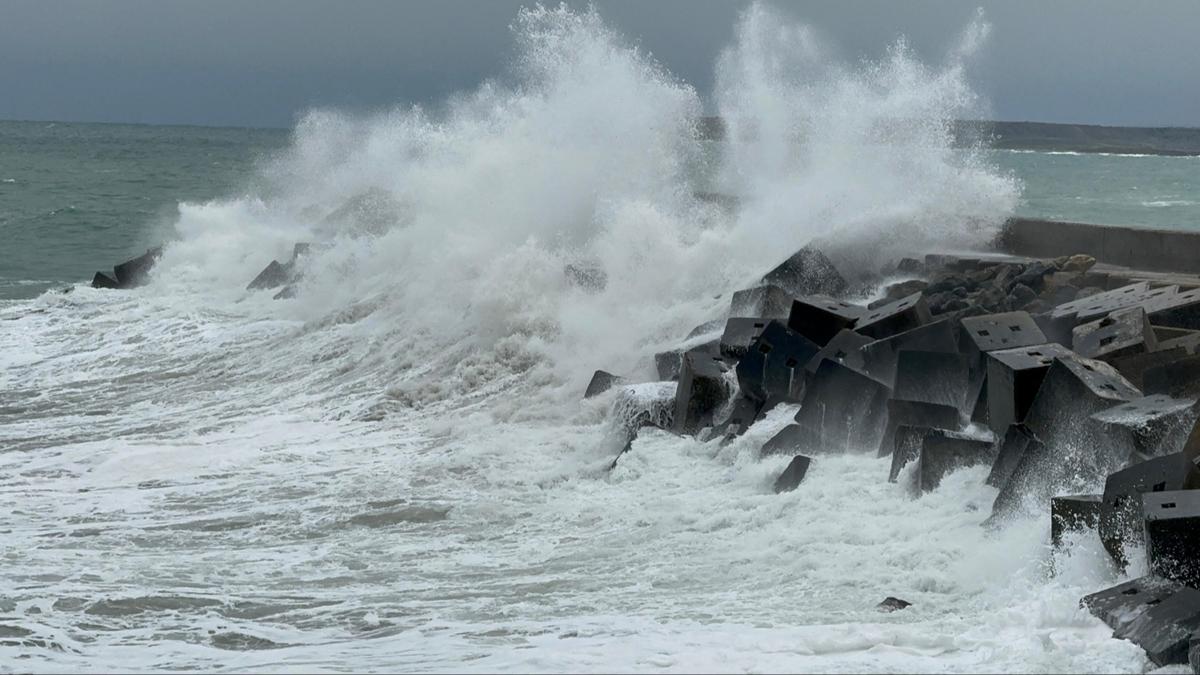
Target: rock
[(133, 273), (773, 368), (1121, 604), (601, 382), (845, 348), (1122, 333), (738, 335), (807, 272), (1120, 513), (1017, 441), (587, 277), (1088, 291), (903, 289), (894, 318), (991, 300), (1172, 533), (945, 451), (880, 357), (820, 318), (891, 604), (1057, 295), (1034, 276), (1078, 263), (702, 390), (792, 476), (843, 411), (102, 280), (1194, 653), (948, 282), (1073, 513), (1013, 379), (273, 275), (1164, 629), (287, 293), (1020, 295), (993, 332), (910, 266)]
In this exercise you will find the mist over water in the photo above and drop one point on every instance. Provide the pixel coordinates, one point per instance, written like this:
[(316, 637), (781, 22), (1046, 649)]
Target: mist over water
[(394, 470)]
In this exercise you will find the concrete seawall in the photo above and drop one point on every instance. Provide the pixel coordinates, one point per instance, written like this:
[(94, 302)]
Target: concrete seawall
[(1139, 248)]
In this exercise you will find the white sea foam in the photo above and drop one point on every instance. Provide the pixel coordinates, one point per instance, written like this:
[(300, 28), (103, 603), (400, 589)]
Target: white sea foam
[(394, 471)]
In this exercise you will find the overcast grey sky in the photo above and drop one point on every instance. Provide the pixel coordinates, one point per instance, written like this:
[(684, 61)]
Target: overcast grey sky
[(261, 62)]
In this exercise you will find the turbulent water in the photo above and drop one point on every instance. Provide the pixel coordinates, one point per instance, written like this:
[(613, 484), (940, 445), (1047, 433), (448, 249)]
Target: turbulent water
[(395, 471)]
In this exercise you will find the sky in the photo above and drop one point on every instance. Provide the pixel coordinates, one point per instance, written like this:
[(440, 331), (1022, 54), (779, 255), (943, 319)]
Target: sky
[(264, 62)]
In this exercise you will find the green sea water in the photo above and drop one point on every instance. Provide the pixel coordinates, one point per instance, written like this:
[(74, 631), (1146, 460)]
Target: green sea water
[(76, 198)]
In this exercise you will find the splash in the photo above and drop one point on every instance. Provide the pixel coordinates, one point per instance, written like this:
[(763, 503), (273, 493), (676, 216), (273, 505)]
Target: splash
[(455, 222)]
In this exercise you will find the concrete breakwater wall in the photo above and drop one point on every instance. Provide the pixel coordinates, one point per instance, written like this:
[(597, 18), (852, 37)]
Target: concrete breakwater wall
[(1136, 247)]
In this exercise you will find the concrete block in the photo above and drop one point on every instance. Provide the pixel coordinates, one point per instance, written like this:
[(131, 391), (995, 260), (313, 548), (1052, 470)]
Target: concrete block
[(945, 451), (601, 382), (845, 348), (992, 332), (789, 440), (895, 317), (1121, 513), (1178, 310), (739, 333), (843, 411), (1016, 442), (819, 318), (917, 414), (932, 377), (772, 369), (1165, 629), (136, 271), (668, 363), (1134, 366), (1121, 604), (1172, 534), (702, 390), (274, 275), (741, 416), (1013, 379), (880, 357), (1145, 427), (1100, 304), (807, 272), (102, 280), (1122, 333), (792, 476), (1072, 513), (907, 448), (764, 302), (1179, 378)]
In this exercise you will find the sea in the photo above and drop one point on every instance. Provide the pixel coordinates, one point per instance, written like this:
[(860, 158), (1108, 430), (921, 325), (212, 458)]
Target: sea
[(396, 470)]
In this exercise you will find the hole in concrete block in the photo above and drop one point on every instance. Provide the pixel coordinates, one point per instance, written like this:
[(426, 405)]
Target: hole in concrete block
[(765, 348), (1159, 487), (1015, 329), (1129, 591), (984, 333), (791, 363), (1167, 505), (1106, 341)]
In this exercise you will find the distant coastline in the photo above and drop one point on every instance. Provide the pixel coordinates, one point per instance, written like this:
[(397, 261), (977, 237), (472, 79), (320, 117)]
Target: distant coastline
[(1052, 137)]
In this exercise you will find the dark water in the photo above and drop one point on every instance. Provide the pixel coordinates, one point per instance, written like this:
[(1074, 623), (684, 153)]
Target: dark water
[(75, 198)]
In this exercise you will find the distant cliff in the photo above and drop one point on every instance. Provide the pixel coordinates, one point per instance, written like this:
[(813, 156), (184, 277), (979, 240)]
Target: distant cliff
[(1056, 137)]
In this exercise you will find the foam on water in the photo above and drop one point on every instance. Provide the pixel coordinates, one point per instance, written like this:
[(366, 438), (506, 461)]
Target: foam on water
[(394, 470)]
